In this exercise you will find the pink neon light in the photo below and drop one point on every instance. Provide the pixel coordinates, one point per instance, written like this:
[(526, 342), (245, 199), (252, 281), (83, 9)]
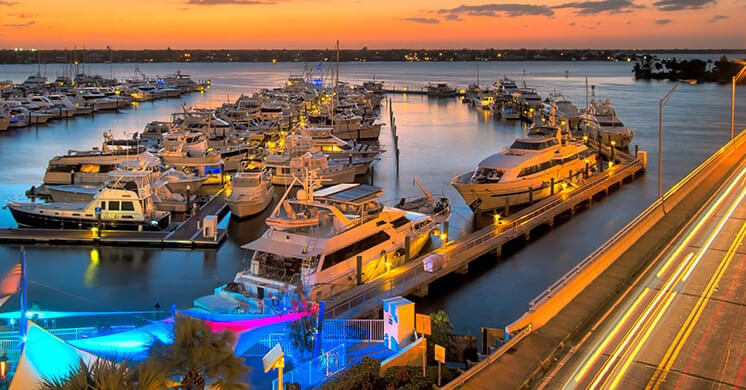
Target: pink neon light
[(247, 325)]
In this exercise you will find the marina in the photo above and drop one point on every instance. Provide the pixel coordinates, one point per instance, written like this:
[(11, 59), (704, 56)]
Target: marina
[(511, 231)]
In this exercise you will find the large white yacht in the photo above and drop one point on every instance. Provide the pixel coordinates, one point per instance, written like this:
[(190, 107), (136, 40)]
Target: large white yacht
[(523, 172), (600, 122), (329, 239)]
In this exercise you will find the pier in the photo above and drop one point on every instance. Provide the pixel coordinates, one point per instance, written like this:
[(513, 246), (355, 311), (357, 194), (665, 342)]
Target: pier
[(572, 328), (184, 235), (413, 278)]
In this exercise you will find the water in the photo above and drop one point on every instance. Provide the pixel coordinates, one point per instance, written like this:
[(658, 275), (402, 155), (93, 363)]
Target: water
[(438, 139)]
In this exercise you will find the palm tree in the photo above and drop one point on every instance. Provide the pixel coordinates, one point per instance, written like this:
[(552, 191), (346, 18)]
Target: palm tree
[(105, 375), (198, 356)]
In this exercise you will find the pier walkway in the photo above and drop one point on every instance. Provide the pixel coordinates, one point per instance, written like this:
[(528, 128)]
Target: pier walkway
[(569, 336), (413, 278), (184, 235)]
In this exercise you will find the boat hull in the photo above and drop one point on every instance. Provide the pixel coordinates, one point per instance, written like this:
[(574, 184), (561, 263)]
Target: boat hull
[(33, 220), (481, 197), (362, 133), (247, 208)]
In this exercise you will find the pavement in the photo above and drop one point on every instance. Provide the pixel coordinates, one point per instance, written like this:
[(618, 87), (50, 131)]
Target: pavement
[(683, 324)]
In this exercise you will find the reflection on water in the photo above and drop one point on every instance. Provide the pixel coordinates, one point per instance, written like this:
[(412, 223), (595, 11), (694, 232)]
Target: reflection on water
[(438, 139)]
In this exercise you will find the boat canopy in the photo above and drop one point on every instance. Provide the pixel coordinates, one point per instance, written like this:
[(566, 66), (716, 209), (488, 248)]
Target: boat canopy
[(505, 160), (285, 248)]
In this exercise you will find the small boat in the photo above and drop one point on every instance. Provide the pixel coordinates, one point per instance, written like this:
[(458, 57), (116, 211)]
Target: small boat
[(440, 209), (251, 193)]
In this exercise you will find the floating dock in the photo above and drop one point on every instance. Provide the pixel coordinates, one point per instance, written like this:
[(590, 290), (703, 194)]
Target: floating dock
[(184, 235), (413, 278)]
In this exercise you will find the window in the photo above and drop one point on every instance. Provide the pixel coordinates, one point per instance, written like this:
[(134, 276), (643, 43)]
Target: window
[(113, 205), (399, 222), (128, 206), (354, 249), (103, 205)]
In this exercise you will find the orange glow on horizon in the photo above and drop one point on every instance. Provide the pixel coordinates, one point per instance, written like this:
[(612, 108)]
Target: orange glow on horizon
[(293, 24)]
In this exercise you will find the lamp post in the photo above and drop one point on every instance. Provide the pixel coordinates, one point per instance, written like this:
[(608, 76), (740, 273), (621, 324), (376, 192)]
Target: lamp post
[(662, 103), (733, 101)]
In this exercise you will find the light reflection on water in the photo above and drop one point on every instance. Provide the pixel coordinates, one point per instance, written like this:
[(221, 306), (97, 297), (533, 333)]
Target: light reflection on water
[(437, 138)]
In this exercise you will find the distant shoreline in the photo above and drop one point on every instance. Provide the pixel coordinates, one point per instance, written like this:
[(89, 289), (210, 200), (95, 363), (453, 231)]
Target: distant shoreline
[(88, 56)]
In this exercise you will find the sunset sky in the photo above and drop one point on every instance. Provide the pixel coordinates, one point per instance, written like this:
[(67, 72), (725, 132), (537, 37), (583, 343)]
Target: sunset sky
[(236, 24)]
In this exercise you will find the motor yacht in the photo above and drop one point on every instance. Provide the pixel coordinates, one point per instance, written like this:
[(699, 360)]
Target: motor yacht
[(441, 90), (178, 143), (92, 167), (600, 122), (57, 110), (298, 156), (329, 240), (335, 147), (114, 209), (524, 172), (250, 193), (505, 86), (94, 97)]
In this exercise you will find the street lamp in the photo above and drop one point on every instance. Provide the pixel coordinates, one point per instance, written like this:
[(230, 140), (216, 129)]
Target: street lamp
[(736, 78), (662, 103)]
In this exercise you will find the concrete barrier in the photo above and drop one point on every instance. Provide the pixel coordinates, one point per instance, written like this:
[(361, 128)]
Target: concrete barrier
[(550, 302)]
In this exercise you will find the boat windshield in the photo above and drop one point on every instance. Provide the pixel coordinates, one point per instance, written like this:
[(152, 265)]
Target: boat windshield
[(524, 145)]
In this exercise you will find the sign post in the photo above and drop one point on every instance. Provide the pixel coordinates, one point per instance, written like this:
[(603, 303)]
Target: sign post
[(440, 357), (422, 326), (275, 358)]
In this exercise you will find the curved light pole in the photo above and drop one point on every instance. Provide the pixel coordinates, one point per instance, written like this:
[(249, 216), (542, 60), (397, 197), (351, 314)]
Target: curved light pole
[(736, 78), (662, 103)]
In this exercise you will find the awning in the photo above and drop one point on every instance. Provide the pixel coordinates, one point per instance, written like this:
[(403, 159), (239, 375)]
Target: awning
[(282, 247)]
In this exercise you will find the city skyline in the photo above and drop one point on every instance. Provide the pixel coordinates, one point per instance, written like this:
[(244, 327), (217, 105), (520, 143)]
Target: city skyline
[(303, 24)]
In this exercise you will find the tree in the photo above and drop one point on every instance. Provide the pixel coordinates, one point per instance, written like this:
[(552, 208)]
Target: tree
[(105, 375), (198, 356), (441, 333)]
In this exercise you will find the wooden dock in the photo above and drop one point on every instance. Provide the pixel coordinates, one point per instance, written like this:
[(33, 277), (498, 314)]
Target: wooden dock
[(412, 278), (185, 235)]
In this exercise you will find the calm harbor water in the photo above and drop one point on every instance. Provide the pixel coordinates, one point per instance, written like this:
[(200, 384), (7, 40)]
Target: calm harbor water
[(438, 139)]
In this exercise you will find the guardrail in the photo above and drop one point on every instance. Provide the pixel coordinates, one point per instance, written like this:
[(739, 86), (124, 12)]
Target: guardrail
[(619, 242)]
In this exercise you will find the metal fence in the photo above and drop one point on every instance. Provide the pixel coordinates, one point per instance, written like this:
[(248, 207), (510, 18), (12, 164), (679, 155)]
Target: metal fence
[(316, 370), (362, 331)]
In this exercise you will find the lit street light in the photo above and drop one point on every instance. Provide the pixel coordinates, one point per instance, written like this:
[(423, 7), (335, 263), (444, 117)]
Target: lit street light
[(736, 78)]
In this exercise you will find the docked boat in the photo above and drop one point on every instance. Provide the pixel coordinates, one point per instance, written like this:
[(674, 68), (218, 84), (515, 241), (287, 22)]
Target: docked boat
[(440, 208), (505, 86), (510, 110), (177, 143), (182, 183), (92, 167), (441, 90), (567, 113), (113, 209), (330, 239), (601, 123), (524, 172), (300, 156), (251, 193), (335, 147)]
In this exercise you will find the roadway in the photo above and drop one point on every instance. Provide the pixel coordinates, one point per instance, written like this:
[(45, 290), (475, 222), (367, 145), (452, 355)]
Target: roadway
[(682, 323)]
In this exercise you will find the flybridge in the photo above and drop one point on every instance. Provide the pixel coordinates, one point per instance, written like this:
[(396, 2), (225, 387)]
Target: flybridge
[(349, 193)]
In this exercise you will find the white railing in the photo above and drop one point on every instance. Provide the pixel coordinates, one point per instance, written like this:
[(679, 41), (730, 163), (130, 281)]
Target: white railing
[(362, 331)]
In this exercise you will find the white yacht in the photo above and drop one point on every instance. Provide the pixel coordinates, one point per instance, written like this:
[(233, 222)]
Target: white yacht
[(601, 123), (95, 98), (35, 81), (116, 209), (505, 86), (523, 172), (250, 193), (52, 108), (298, 156), (329, 239), (179, 143)]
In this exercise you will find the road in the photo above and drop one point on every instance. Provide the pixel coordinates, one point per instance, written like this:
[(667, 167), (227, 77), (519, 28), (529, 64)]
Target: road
[(682, 323)]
